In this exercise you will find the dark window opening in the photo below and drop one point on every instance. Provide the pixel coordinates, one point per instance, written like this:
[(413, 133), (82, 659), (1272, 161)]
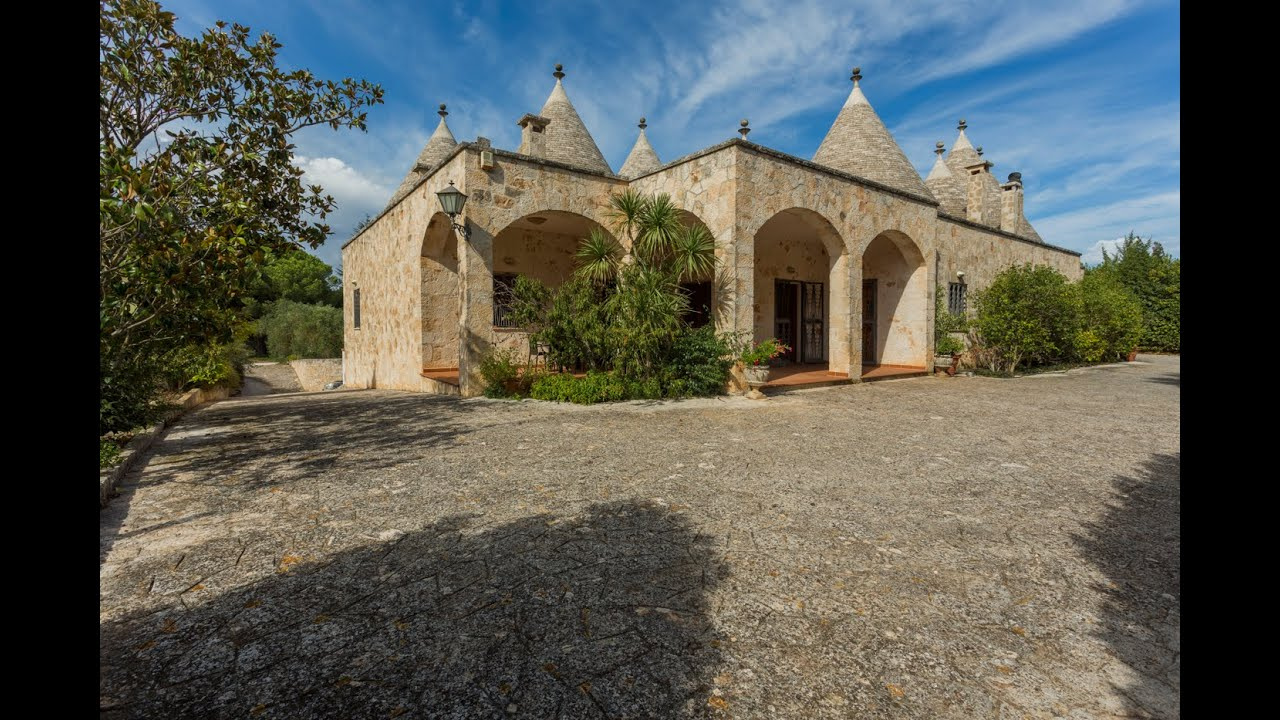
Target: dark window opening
[(355, 308), (956, 298), (504, 285), (699, 294)]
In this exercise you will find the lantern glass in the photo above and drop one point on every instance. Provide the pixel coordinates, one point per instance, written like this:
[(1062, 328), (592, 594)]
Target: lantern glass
[(452, 200)]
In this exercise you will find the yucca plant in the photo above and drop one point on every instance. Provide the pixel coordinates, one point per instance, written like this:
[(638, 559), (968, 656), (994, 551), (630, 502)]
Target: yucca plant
[(598, 257)]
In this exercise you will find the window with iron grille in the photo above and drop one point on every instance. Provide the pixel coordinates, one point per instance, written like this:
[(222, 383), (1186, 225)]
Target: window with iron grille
[(956, 298), (503, 298), (355, 308)]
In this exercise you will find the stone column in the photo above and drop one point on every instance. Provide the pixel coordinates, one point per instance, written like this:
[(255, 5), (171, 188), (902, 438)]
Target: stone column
[(844, 315), (475, 325)]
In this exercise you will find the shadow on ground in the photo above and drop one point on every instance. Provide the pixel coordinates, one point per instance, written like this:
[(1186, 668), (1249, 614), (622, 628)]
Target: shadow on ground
[(1174, 379), (1137, 546), (603, 614), (286, 440)]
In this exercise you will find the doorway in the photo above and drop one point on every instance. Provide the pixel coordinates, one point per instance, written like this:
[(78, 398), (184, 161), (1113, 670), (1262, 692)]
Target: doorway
[(799, 319), (868, 322)]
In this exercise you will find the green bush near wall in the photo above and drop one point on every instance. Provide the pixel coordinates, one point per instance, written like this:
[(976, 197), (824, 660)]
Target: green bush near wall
[(298, 330)]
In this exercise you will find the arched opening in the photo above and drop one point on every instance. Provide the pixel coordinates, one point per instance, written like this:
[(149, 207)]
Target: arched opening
[(801, 290), (541, 245), (441, 295), (705, 297), (895, 303)]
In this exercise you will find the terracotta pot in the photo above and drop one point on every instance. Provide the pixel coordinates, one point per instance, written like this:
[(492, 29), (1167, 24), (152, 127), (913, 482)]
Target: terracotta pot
[(1133, 354)]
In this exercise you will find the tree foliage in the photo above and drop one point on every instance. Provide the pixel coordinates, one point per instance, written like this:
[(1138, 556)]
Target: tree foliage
[(1154, 277), (302, 277), (197, 184), (297, 330), (1027, 314)]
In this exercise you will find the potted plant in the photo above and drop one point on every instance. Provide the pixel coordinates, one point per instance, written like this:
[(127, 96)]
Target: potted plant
[(947, 354), (755, 361)]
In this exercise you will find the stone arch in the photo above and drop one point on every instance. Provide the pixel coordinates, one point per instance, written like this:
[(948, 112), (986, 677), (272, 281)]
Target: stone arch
[(441, 294), (798, 251), (711, 297), (895, 327), (541, 245)]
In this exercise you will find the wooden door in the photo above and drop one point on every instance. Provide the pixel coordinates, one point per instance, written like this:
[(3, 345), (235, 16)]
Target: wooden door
[(786, 315), (869, 322), (813, 322)]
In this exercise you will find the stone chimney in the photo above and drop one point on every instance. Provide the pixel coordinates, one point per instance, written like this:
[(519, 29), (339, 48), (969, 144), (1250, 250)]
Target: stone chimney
[(1011, 204), (533, 136), (977, 185)]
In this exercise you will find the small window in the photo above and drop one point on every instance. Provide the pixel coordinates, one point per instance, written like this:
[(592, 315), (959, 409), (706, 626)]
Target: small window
[(355, 308), (504, 285), (956, 298)]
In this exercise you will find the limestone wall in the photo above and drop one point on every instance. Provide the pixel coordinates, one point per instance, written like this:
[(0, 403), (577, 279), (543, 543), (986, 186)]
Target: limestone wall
[(544, 256), (313, 375), (902, 301), (981, 255)]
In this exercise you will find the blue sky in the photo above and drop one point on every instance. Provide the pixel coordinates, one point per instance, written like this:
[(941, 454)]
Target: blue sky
[(1081, 97)]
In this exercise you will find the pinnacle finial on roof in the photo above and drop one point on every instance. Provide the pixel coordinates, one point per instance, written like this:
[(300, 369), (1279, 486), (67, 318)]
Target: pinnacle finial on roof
[(559, 73), (962, 125), (744, 129), (978, 150), (939, 148), (643, 124), (442, 112), (856, 75)]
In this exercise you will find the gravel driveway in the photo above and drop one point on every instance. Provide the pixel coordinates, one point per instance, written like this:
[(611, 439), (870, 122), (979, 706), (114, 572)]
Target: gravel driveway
[(924, 548)]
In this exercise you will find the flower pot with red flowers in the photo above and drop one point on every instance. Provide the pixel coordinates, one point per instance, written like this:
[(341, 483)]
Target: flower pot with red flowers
[(755, 363)]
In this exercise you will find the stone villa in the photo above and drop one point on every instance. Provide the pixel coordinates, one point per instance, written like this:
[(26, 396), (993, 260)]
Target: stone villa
[(839, 256)]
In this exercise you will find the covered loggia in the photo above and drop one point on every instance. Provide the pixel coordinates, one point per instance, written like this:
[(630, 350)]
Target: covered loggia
[(895, 304), (801, 290)]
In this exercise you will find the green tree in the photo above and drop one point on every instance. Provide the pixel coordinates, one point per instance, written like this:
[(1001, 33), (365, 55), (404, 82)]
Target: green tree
[(302, 277), (1154, 277), (1110, 319), (197, 185), (299, 330), (1027, 314)]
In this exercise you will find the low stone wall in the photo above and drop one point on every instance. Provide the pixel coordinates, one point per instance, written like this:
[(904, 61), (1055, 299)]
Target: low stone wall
[(109, 478), (313, 375)]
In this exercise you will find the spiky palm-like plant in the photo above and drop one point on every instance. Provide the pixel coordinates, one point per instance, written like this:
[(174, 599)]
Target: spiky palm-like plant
[(598, 257)]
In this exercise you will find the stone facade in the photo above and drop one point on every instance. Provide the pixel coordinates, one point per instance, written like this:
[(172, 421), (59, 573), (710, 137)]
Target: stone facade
[(426, 291)]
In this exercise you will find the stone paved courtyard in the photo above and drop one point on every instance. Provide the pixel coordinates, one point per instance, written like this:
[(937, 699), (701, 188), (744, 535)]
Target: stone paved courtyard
[(924, 548)]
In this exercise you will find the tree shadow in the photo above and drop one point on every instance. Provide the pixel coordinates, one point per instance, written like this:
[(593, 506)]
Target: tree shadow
[(1174, 379), (602, 614), (1137, 546), (245, 445)]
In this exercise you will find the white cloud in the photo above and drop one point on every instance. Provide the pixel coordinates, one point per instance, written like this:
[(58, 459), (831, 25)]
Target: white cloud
[(354, 193), (1093, 255)]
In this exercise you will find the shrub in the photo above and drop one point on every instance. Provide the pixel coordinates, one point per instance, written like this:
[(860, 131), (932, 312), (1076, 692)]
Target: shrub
[(108, 452), (501, 369), (698, 364), (947, 345), (206, 366), (593, 388), (301, 330), (1111, 317), (1027, 314), (646, 310), (576, 326), (762, 352)]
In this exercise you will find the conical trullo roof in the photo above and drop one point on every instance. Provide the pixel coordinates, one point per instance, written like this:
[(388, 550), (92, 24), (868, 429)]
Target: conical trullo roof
[(859, 143), (438, 146), (962, 154), (567, 138), (642, 158), (944, 185)]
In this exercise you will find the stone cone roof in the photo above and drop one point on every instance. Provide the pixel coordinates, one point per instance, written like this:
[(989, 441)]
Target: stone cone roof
[(945, 186), (438, 146), (567, 138), (962, 154), (642, 158), (859, 143)]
